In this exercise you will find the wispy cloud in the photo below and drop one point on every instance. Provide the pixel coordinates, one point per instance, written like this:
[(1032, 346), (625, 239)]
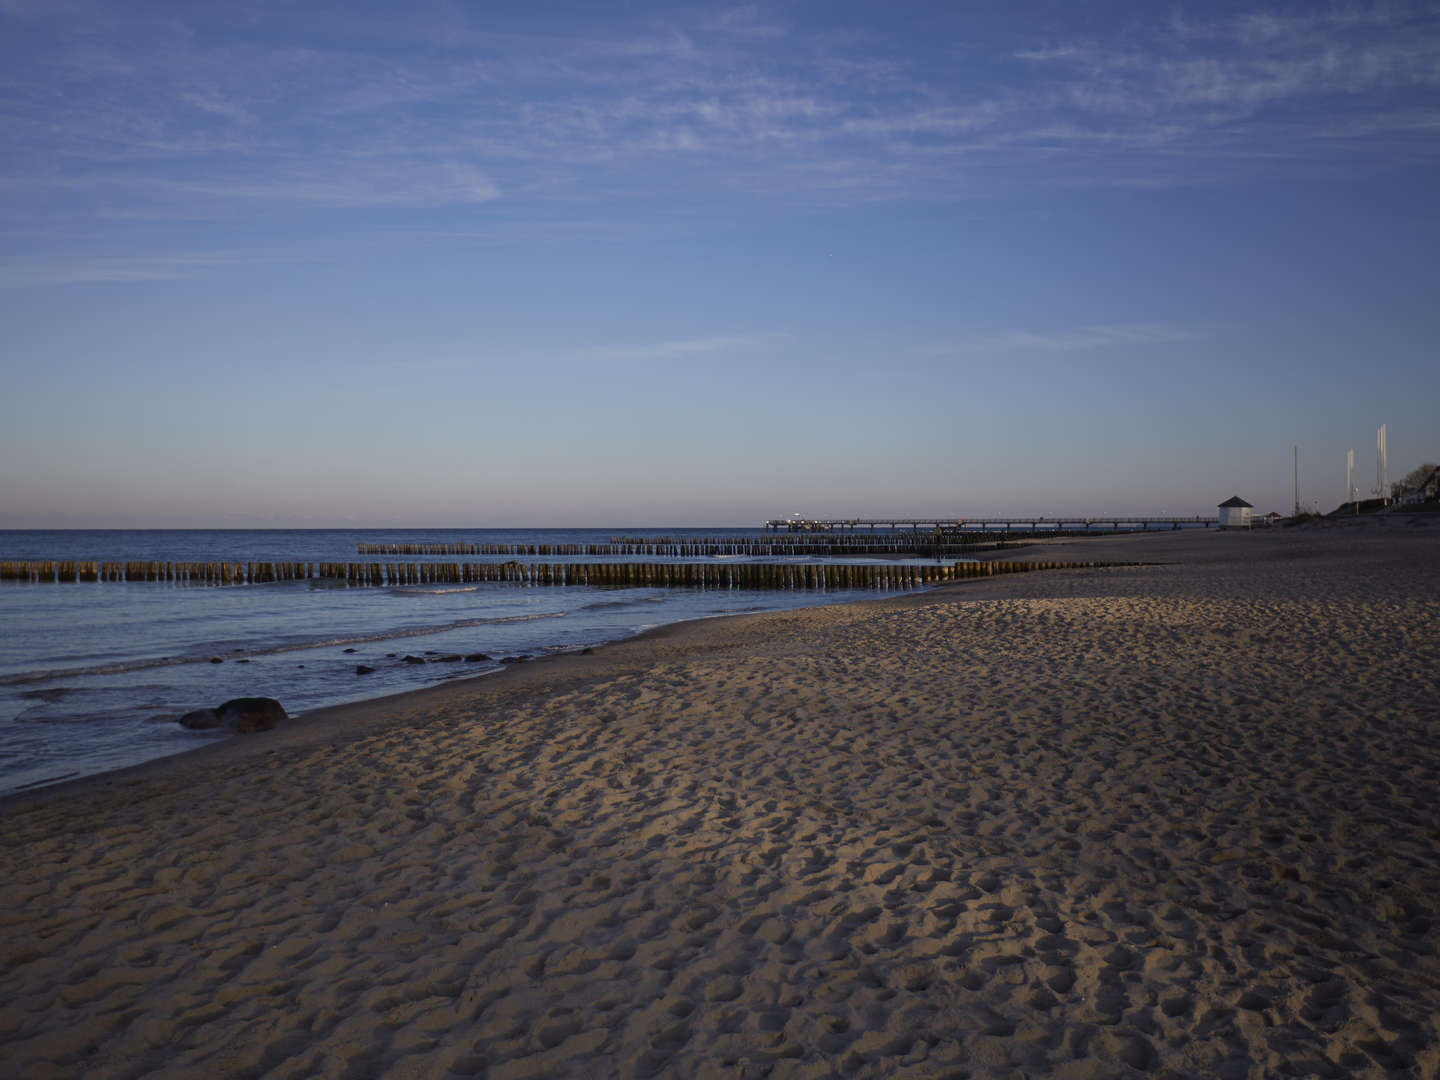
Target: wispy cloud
[(687, 348), (1074, 339), (744, 22), (679, 351), (31, 272), (356, 183), (709, 102), (1246, 63), (43, 9)]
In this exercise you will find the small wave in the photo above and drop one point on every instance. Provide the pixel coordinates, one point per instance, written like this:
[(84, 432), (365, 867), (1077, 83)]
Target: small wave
[(38, 714), (608, 605), (203, 656), (119, 667), (412, 591), (41, 783), (50, 694)]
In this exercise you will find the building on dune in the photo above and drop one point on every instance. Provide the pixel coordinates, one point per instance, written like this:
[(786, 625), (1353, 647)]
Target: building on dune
[(1425, 489), (1235, 513)]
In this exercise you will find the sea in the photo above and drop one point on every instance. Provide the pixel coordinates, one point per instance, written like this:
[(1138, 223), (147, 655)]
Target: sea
[(95, 675)]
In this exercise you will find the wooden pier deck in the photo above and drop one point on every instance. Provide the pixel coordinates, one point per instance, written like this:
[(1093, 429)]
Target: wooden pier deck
[(984, 524)]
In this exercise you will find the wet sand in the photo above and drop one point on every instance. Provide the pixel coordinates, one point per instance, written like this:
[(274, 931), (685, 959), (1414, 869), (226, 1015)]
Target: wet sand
[(1174, 820)]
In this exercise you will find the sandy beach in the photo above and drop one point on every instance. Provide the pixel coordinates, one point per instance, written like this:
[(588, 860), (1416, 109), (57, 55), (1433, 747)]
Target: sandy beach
[(1178, 820)]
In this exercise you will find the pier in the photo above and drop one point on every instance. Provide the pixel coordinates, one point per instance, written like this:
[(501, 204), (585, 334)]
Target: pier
[(984, 524)]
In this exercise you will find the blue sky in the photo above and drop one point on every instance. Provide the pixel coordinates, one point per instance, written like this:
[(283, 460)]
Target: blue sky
[(653, 264)]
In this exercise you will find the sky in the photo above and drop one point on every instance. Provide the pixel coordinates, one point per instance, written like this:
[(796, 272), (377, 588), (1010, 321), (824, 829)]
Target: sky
[(606, 264)]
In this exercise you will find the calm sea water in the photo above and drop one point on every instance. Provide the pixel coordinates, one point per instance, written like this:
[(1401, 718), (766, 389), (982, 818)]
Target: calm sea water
[(93, 676)]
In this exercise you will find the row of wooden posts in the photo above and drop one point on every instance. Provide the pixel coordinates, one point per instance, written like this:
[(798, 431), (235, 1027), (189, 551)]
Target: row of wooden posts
[(699, 547), (670, 574), (820, 544), (198, 573)]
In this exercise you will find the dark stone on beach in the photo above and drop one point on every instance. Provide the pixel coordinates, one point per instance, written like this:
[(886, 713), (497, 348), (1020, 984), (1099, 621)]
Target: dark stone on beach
[(216, 660), (452, 658), (476, 657), (361, 669), (413, 660), (245, 715), (239, 715), (587, 651), (242, 661), (512, 659), (200, 719), (349, 650)]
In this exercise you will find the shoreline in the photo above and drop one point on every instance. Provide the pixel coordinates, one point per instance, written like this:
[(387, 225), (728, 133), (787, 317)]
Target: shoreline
[(345, 715), (115, 729), (349, 719), (338, 721), (44, 786), (1179, 818)]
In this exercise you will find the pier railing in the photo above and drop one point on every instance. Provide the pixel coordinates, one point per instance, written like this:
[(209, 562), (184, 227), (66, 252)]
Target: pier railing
[(1068, 524)]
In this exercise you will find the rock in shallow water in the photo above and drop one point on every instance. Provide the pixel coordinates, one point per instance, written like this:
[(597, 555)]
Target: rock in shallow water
[(244, 715)]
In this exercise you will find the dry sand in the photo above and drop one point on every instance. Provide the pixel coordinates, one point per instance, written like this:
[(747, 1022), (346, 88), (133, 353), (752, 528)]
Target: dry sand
[(1175, 820)]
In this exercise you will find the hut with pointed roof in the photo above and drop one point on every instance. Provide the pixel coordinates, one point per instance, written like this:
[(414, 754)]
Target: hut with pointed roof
[(1235, 513)]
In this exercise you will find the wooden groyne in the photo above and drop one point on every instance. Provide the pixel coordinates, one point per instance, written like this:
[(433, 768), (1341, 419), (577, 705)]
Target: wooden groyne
[(883, 576), (196, 573), (787, 546)]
